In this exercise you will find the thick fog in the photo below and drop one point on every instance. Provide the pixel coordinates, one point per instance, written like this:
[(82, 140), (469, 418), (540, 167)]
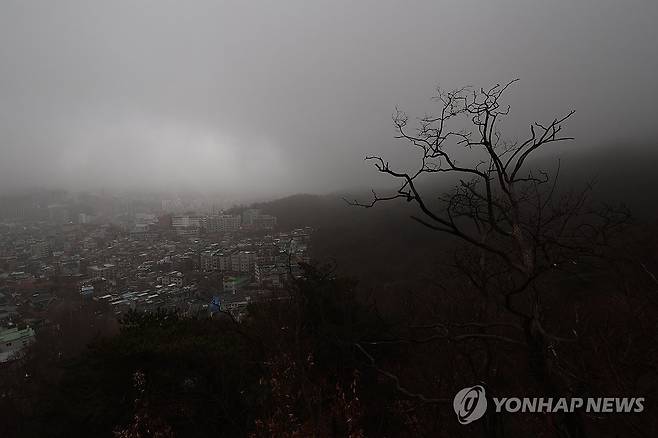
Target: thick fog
[(288, 96)]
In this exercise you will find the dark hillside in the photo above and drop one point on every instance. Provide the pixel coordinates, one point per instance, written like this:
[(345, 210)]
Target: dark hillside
[(377, 245), (382, 245)]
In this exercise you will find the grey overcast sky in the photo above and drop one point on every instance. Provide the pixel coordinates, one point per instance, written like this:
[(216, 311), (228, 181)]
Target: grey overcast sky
[(288, 96)]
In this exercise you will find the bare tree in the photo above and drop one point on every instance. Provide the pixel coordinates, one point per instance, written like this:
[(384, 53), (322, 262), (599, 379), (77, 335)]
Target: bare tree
[(517, 224)]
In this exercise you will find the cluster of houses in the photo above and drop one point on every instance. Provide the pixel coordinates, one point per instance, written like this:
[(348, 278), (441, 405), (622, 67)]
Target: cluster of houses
[(153, 264), (179, 299)]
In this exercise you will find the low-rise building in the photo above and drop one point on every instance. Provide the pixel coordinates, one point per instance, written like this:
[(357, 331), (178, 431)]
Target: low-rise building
[(231, 284), (14, 341), (223, 223), (186, 225), (173, 278)]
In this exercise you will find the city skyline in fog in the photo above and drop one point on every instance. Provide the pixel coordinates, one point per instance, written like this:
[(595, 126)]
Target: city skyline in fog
[(273, 98)]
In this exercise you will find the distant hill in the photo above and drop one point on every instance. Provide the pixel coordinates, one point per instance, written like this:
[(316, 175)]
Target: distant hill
[(374, 244), (623, 173), (381, 244)]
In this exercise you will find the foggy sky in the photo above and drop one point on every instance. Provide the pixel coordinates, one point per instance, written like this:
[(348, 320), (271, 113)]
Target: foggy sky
[(288, 96)]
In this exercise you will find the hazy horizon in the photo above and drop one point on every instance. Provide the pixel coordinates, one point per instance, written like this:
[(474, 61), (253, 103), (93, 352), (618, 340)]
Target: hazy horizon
[(266, 99)]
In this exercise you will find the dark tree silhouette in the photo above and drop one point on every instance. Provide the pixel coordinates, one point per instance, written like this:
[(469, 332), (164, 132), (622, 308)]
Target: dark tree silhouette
[(518, 225)]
